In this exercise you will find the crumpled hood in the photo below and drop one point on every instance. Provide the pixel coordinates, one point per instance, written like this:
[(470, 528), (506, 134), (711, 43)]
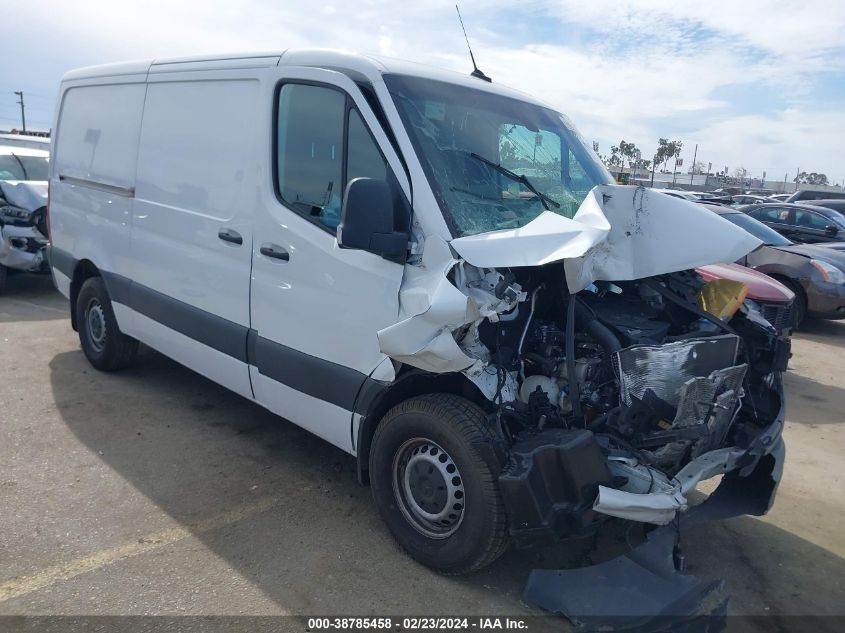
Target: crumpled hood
[(619, 232), (29, 195)]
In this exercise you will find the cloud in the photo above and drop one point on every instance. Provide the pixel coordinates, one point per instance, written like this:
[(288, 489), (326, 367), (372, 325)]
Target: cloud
[(745, 80)]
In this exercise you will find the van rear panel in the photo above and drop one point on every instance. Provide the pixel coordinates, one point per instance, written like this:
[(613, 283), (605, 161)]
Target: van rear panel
[(93, 175)]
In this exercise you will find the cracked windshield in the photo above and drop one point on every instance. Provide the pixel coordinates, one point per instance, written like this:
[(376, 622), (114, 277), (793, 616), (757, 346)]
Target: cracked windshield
[(494, 163)]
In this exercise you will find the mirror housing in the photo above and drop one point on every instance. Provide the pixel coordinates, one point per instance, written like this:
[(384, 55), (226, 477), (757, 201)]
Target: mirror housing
[(368, 220), (831, 230)]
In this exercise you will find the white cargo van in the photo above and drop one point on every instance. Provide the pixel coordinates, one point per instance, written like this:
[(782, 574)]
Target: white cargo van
[(428, 270)]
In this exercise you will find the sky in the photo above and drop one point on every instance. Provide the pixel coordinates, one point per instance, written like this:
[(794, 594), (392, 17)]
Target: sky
[(756, 84)]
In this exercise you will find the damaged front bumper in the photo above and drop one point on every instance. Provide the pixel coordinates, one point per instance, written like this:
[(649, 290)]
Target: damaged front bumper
[(22, 248), (662, 506), (646, 589)]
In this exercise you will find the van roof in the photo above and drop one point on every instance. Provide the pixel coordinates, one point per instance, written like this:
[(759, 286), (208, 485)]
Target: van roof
[(370, 66)]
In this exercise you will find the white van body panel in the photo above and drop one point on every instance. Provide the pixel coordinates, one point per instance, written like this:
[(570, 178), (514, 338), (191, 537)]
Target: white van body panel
[(188, 64), (92, 171), (182, 203), (180, 207)]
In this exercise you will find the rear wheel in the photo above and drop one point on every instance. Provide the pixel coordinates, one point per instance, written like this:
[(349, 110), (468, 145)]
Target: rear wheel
[(433, 488), (104, 345)]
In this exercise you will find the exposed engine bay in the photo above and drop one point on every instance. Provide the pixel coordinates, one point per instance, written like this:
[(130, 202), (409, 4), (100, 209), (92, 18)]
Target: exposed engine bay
[(616, 390), (614, 378), (616, 400), (615, 385)]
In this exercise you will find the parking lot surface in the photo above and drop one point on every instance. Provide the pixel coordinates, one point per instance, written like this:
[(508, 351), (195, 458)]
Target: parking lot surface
[(155, 491)]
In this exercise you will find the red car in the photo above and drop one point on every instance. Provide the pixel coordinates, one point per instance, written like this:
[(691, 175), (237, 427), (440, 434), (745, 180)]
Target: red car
[(774, 298)]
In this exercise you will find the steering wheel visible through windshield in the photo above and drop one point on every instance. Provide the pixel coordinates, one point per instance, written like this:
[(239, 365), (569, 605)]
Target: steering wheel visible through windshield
[(493, 162)]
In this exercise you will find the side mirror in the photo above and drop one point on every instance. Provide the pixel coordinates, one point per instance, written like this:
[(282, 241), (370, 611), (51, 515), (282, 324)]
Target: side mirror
[(831, 230), (367, 220)]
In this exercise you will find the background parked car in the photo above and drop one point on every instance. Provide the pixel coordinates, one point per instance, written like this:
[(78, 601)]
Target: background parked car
[(746, 198), (775, 299), (779, 197), (25, 140), (803, 195), (676, 193), (804, 223), (834, 204), (23, 197), (814, 272)]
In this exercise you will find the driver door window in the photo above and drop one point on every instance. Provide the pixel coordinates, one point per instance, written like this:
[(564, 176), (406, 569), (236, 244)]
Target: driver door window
[(311, 143)]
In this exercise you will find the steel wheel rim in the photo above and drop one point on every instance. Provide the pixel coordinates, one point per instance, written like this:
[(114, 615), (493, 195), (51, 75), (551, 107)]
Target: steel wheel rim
[(95, 324), (428, 488)]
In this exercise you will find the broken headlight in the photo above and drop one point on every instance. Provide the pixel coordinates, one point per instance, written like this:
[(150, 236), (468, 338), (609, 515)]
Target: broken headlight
[(15, 215)]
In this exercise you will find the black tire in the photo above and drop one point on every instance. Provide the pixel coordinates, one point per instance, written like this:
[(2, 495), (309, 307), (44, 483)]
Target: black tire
[(456, 427), (3, 276), (104, 345)]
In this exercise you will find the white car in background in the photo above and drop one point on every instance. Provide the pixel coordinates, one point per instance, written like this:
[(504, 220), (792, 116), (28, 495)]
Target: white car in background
[(23, 201), (25, 140)]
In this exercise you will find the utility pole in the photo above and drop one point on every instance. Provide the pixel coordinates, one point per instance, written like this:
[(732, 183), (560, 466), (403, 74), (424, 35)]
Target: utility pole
[(797, 174), (692, 172), (23, 112), (675, 171)]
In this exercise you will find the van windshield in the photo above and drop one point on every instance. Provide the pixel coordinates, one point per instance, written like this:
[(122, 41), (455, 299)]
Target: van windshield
[(22, 167), (468, 140)]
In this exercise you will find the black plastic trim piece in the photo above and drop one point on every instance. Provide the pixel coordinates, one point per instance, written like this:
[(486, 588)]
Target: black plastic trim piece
[(316, 377), (126, 192), (61, 260), (204, 327)]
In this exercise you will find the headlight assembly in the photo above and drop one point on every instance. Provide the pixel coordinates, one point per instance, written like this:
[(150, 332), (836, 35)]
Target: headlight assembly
[(12, 214), (829, 272)]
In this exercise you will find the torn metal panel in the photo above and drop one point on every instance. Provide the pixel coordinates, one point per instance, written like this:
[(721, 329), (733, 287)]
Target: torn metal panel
[(436, 309), (658, 508), (618, 233)]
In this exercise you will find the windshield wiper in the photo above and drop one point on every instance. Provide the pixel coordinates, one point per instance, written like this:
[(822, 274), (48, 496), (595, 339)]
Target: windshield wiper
[(518, 178), (23, 169)]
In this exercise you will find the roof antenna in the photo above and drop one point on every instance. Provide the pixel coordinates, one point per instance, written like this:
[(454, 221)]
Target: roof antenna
[(475, 72)]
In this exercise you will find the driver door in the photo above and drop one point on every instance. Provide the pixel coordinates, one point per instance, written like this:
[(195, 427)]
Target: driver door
[(316, 308)]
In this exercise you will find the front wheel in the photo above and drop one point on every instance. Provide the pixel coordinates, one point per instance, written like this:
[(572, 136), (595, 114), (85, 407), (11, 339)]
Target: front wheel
[(104, 345), (432, 486), (3, 276)]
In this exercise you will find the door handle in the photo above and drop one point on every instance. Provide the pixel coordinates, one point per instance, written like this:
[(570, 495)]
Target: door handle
[(231, 236), (275, 251)]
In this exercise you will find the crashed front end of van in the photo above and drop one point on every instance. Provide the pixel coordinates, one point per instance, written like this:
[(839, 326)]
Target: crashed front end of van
[(23, 228), (617, 380)]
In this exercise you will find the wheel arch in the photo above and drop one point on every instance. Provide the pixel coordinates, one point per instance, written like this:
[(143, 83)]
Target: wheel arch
[(409, 384), (84, 269)]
